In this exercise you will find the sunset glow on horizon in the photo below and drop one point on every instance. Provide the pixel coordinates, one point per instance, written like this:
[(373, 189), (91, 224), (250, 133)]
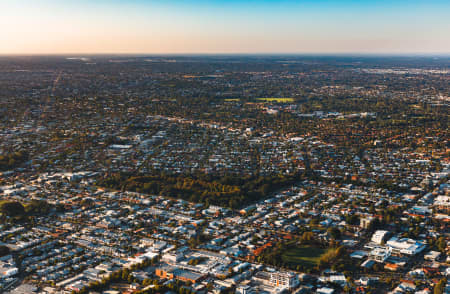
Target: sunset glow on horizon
[(185, 27)]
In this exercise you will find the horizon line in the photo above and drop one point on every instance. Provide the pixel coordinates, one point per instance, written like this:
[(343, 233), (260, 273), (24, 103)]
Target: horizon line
[(137, 54)]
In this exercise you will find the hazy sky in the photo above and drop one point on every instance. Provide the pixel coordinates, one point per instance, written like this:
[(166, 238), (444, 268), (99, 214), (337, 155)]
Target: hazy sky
[(219, 26)]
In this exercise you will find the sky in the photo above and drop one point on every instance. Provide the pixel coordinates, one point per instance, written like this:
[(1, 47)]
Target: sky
[(224, 26)]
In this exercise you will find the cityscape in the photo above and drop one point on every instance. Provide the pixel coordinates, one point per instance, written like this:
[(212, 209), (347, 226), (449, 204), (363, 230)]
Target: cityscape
[(222, 172)]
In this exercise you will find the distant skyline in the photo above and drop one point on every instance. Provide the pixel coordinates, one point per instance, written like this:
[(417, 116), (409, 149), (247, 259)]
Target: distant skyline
[(224, 27)]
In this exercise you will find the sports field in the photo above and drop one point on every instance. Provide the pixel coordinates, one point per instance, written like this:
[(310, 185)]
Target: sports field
[(306, 256), (281, 100)]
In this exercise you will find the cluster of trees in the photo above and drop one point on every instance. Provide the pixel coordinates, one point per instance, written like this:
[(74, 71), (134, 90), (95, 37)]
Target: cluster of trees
[(12, 160), (352, 219), (38, 207), (12, 208), (334, 232), (332, 257), (17, 210), (438, 244), (4, 250), (198, 239), (195, 261), (274, 256), (231, 191)]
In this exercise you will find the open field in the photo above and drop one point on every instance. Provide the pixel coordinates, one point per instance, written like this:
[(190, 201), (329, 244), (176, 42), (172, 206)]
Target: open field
[(307, 256), (276, 99)]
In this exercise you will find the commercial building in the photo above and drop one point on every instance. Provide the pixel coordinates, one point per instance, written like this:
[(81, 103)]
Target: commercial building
[(379, 236), (284, 279), (405, 246)]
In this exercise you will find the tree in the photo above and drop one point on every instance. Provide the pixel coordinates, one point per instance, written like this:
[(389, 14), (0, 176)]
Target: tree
[(334, 232), (352, 219), (440, 287), (4, 250), (307, 237), (12, 208), (38, 207), (441, 244)]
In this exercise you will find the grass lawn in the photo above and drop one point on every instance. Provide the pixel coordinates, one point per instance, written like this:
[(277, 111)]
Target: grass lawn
[(276, 99), (307, 256)]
